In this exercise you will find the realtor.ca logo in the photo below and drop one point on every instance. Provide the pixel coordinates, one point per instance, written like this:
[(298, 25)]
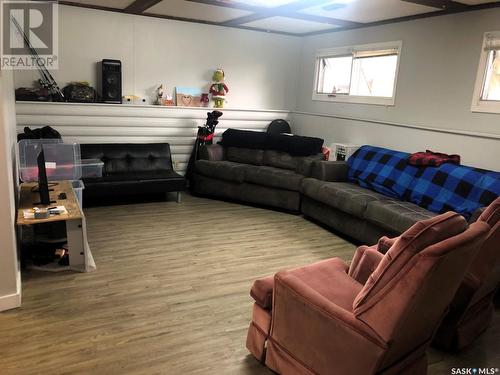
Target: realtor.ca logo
[(474, 370), (29, 34)]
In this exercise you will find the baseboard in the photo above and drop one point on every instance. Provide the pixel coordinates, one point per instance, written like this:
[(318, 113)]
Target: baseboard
[(10, 301)]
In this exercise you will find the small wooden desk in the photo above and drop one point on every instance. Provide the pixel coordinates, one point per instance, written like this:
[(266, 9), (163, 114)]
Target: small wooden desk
[(80, 257)]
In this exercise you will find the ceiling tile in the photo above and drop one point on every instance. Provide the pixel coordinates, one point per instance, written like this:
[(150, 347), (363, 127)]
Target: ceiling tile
[(196, 11), (117, 4), (289, 25), (365, 11), (264, 3)]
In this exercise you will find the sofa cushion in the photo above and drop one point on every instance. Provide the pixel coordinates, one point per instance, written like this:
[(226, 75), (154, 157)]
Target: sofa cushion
[(245, 155), (136, 176), (244, 139), (396, 215), (343, 196), (129, 157), (224, 170), (279, 159), (273, 177)]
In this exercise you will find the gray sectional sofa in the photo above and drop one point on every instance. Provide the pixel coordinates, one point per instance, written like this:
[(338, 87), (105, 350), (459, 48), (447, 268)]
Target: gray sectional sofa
[(259, 176), (376, 193)]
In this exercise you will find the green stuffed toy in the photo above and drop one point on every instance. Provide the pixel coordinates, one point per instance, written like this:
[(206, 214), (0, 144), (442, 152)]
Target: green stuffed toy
[(218, 89)]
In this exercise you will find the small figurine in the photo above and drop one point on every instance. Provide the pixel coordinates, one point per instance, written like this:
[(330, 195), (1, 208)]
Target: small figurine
[(204, 99), (159, 95), (218, 89)]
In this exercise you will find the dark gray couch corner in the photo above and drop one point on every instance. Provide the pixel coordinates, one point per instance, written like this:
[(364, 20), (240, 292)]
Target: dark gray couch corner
[(263, 177)]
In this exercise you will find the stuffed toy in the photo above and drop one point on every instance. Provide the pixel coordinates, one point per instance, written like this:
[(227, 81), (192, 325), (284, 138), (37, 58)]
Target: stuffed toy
[(218, 89)]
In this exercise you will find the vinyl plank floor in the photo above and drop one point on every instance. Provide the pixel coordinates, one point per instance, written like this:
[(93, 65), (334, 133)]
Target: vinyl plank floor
[(170, 294)]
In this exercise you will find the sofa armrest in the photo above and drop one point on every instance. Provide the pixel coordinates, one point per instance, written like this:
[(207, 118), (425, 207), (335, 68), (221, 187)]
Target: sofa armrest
[(318, 333), (365, 261), (212, 152), (333, 171)]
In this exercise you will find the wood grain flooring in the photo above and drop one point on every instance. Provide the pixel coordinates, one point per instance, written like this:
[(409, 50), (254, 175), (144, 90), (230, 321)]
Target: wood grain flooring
[(170, 294)]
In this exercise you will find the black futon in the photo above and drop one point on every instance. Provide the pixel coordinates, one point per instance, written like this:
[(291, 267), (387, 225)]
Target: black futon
[(131, 168)]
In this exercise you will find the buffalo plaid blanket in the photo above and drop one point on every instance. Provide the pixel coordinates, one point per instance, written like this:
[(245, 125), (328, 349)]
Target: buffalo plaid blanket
[(439, 189), (432, 159)]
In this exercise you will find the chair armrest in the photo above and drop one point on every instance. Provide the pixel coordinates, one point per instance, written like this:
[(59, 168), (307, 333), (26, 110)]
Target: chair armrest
[(333, 171), (365, 261), (262, 292), (385, 243), (319, 333), (212, 152)]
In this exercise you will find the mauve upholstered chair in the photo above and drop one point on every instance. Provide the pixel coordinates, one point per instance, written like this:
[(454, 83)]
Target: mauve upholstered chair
[(472, 307), (329, 318)]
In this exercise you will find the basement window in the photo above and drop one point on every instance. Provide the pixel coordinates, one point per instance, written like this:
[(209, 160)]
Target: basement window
[(358, 74), (487, 89)]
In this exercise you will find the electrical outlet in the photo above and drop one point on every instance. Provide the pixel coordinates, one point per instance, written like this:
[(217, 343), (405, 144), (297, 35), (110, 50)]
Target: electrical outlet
[(176, 164)]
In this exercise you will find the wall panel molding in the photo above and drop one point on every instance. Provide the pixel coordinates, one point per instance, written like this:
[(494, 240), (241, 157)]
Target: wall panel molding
[(401, 125), (111, 123)]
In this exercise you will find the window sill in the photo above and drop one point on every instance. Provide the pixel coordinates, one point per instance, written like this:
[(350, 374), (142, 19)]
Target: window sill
[(353, 99), (486, 106)]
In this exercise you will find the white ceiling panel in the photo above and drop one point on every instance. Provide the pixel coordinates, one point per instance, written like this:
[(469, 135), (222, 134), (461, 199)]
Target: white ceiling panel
[(196, 11), (289, 25), (263, 3), (365, 11), (475, 2), (118, 4)]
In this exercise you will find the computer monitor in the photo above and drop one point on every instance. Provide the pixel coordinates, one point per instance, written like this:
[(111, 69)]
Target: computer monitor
[(43, 183)]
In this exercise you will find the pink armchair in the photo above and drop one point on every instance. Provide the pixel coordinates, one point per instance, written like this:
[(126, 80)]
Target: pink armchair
[(472, 307), (328, 318)]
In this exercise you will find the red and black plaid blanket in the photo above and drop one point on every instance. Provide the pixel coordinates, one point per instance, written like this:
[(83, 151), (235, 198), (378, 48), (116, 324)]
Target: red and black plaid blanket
[(432, 159)]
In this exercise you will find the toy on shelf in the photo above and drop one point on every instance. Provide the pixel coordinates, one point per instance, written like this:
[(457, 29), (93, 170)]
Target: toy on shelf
[(204, 99), (159, 95), (163, 98), (218, 89)]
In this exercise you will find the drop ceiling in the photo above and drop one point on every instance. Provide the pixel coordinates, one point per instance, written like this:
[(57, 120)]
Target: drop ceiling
[(294, 17)]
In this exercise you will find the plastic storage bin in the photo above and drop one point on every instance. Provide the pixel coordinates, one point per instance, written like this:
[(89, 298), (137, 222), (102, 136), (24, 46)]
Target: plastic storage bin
[(62, 159), (92, 168), (78, 187)]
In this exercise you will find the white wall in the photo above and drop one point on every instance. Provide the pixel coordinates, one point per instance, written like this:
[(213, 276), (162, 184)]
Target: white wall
[(10, 282), (261, 69), (439, 62)]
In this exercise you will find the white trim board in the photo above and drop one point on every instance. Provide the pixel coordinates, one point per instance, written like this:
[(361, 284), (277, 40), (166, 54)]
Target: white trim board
[(10, 301), (418, 127)]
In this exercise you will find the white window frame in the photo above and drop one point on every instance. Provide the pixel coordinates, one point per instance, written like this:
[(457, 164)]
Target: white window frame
[(342, 51), (478, 105)]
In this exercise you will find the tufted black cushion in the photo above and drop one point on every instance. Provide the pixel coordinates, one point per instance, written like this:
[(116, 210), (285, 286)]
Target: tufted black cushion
[(132, 168), (129, 157)]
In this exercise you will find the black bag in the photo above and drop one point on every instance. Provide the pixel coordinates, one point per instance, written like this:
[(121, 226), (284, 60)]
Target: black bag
[(79, 92), (31, 94), (39, 133)]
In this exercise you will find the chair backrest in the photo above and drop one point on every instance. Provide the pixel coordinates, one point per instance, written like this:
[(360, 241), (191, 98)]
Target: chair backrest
[(485, 267), (407, 295)]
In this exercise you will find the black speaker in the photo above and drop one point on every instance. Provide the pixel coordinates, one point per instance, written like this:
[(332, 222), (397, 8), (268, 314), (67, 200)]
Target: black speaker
[(110, 72)]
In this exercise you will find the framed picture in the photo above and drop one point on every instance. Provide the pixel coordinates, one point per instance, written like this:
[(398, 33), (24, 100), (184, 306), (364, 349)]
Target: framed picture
[(188, 97)]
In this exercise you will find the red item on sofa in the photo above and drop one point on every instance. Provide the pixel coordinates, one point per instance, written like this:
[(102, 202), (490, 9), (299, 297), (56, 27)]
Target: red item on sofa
[(432, 159), (326, 151)]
